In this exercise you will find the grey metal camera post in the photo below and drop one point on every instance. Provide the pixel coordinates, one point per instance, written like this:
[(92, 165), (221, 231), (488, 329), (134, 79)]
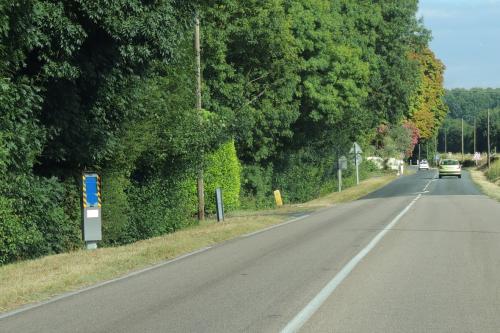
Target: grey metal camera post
[(91, 206)]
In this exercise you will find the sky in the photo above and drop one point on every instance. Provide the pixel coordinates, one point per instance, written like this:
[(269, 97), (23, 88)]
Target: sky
[(466, 37)]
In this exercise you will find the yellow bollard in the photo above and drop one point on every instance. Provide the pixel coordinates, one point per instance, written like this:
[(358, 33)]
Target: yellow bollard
[(277, 198)]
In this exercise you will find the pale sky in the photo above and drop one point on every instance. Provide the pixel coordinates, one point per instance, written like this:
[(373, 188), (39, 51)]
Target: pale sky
[(466, 37)]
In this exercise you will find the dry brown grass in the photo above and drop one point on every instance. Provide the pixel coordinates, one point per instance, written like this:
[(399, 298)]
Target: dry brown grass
[(36, 280), (490, 189)]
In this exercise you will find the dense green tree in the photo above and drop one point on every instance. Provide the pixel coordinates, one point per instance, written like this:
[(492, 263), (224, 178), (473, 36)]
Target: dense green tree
[(453, 129), (482, 130), (250, 72), (471, 104), (467, 103), (334, 78), (391, 33)]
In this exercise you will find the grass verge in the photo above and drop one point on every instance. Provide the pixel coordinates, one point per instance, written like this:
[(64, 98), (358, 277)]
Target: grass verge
[(493, 174), (37, 280), (490, 189)]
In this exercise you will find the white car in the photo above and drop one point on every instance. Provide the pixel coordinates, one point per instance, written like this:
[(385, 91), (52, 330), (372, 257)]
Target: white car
[(423, 165)]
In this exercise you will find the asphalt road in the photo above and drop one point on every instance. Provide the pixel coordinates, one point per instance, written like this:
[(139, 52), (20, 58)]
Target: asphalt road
[(420, 255)]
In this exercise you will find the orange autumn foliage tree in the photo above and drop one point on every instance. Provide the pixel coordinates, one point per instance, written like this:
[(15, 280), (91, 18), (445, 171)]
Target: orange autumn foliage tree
[(428, 109)]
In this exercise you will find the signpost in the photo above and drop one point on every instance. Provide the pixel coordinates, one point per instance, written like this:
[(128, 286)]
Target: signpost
[(356, 150), (437, 158), (342, 165), (91, 202), (477, 157)]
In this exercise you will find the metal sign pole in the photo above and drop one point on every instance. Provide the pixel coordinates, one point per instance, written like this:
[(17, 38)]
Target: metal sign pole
[(488, 141), (339, 173), (342, 165), (356, 163), (356, 150)]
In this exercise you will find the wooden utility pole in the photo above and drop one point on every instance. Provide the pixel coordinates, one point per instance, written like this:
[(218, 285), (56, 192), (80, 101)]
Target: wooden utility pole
[(489, 152), (475, 148), (445, 141), (462, 140), (356, 162), (198, 62), (201, 192), (435, 149)]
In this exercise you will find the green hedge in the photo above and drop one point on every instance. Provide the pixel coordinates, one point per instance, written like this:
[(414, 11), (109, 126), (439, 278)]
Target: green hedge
[(161, 202), (138, 210), (116, 225), (303, 175), (222, 170), (44, 220), (14, 238), (161, 206)]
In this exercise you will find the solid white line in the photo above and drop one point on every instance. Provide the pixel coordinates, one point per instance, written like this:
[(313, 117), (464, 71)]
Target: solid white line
[(303, 316), (274, 226), (73, 293), (428, 183)]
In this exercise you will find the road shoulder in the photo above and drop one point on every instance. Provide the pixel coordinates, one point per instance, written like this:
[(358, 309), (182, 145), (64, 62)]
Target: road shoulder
[(488, 188)]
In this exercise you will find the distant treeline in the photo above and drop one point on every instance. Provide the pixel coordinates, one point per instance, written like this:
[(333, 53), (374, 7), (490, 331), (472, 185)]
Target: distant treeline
[(472, 105), (109, 86)]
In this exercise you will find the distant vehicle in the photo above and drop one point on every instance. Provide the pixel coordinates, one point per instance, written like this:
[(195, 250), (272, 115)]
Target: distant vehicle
[(423, 165), (449, 167)]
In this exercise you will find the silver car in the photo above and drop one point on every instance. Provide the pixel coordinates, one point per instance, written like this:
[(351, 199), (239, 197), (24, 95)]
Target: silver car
[(449, 167)]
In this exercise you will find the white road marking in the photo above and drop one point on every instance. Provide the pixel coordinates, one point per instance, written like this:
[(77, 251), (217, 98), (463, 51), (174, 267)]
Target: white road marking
[(420, 192), (426, 186), (303, 316)]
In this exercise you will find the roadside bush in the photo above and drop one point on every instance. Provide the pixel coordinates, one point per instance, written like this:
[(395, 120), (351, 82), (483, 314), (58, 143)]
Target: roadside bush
[(40, 205), (493, 174), (223, 170), (41, 222), (14, 237), (256, 186), (302, 178), (303, 175), (366, 168), (161, 206), (116, 225)]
